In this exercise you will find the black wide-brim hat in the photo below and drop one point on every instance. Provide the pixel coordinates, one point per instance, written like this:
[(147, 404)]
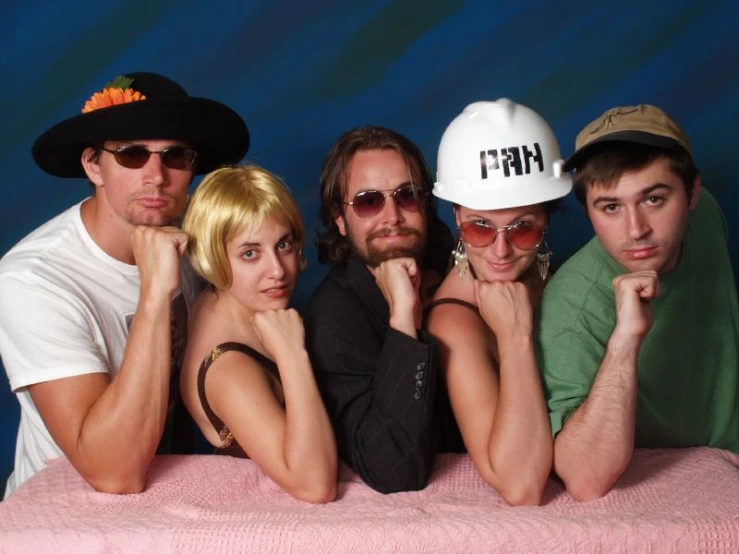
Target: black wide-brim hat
[(217, 132)]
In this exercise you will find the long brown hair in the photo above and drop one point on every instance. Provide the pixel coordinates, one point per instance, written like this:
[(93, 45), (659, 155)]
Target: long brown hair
[(334, 247)]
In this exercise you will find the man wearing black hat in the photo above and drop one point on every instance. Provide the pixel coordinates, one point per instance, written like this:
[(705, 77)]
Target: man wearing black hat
[(92, 322), (639, 330)]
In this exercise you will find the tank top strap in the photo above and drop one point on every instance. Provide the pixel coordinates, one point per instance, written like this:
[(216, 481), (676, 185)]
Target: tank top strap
[(431, 305), (208, 361)]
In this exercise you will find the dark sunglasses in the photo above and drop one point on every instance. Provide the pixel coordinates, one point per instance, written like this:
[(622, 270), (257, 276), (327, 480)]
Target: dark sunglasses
[(135, 156), (371, 202), (522, 234)]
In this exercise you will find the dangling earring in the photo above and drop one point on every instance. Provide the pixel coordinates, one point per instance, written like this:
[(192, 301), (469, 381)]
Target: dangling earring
[(460, 259), (542, 260)]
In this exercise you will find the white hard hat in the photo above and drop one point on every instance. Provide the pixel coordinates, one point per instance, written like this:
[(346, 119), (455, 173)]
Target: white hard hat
[(498, 155)]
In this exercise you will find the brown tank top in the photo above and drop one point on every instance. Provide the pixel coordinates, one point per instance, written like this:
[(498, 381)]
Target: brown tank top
[(228, 445)]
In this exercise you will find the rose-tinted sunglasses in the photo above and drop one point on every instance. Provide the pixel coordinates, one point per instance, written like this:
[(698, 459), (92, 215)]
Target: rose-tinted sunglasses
[(371, 202), (136, 156), (522, 234)]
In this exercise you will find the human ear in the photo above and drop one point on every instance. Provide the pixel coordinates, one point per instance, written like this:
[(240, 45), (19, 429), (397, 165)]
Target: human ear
[(91, 165)]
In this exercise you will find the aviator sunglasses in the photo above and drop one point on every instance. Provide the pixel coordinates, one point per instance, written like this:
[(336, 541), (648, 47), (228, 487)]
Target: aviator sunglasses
[(522, 234), (136, 156), (371, 202)]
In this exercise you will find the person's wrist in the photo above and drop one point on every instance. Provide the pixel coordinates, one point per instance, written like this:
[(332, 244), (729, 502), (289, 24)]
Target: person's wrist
[(405, 323), (627, 332), (516, 338), (625, 336), (154, 301), (293, 353)]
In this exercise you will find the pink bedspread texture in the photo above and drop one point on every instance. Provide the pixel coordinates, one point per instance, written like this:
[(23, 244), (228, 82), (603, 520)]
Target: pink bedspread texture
[(684, 500)]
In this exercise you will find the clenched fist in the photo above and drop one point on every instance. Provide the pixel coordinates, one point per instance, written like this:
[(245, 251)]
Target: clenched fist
[(633, 293), (505, 306), (399, 280), (157, 251), (279, 330)]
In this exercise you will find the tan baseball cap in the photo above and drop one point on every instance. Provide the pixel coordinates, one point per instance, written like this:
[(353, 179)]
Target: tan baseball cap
[(643, 124)]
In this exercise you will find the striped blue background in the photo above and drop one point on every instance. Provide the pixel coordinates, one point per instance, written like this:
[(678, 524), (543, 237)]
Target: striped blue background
[(301, 73)]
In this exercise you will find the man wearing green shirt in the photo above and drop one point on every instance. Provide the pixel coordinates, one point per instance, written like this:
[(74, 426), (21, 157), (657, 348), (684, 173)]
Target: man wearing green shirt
[(639, 330)]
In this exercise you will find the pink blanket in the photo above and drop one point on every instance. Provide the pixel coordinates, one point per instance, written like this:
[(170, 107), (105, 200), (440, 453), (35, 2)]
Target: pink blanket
[(668, 501)]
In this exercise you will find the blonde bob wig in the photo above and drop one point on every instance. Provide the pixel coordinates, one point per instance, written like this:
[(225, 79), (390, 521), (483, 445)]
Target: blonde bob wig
[(227, 201)]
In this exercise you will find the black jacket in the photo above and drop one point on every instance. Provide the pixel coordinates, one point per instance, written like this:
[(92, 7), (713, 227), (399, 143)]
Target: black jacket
[(389, 409)]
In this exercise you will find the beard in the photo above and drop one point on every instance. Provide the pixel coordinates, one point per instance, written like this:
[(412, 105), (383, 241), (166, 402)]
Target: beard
[(373, 256)]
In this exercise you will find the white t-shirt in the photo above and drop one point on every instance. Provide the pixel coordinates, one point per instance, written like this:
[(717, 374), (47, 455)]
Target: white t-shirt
[(65, 310)]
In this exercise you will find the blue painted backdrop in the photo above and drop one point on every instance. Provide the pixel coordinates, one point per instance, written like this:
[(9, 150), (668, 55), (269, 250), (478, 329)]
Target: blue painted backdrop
[(303, 72)]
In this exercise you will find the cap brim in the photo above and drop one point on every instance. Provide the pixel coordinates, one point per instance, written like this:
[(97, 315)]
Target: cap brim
[(215, 130), (639, 137)]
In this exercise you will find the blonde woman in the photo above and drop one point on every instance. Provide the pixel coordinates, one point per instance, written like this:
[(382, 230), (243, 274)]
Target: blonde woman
[(246, 378)]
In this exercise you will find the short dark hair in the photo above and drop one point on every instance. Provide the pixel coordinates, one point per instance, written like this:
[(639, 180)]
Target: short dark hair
[(331, 244), (607, 162)]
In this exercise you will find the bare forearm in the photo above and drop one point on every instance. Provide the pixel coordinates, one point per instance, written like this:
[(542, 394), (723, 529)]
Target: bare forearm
[(520, 446), (404, 320), (309, 447), (120, 433), (595, 445)]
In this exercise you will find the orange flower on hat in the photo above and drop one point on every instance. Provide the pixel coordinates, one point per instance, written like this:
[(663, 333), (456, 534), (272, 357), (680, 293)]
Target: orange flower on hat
[(116, 92)]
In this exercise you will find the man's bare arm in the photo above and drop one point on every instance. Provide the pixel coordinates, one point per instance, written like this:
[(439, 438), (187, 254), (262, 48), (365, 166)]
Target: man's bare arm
[(110, 429), (595, 445)]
